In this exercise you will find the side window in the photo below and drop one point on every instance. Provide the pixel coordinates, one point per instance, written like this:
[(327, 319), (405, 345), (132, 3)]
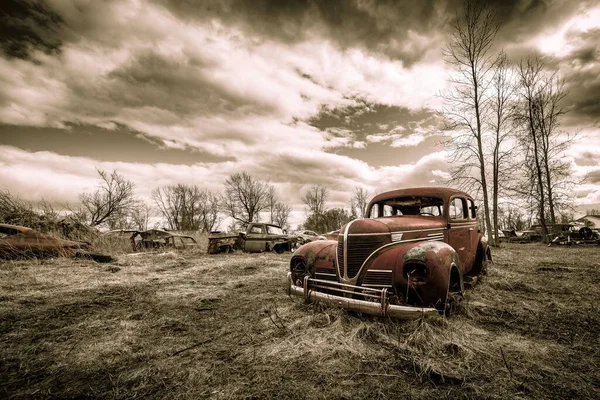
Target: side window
[(256, 229), (458, 208), (430, 211), (472, 209), (374, 211), (388, 210)]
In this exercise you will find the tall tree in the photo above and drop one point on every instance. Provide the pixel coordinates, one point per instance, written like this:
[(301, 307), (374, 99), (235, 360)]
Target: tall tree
[(329, 220), (113, 196), (469, 53), (504, 86), (245, 197), (187, 207), (281, 215), (315, 198), (539, 111), (271, 202), (359, 202)]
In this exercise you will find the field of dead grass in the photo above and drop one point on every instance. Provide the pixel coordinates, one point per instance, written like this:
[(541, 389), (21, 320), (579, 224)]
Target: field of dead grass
[(186, 325)]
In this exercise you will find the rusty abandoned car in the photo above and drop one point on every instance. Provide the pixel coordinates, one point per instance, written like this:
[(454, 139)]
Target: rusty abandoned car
[(22, 242), (153, 239), (410, 258), (258, 237)]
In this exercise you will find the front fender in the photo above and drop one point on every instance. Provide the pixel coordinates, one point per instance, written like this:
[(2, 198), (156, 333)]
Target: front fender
[(316, 254), (434, 263)]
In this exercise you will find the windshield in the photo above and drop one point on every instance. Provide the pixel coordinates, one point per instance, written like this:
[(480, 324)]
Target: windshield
[(408, 205), (274, 230)]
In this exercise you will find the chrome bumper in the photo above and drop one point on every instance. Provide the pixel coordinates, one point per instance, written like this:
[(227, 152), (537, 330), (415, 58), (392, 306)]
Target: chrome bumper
[(377, 304)]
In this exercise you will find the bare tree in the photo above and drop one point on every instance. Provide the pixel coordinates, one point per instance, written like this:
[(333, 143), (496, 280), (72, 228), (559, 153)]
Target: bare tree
[(187, 207), (359, 202), (140, 216), (503, 84), (469, 53), (281, 215), (245, 197), (315, 198), (329, 220), (271, 202), (114, 195), (547, 113), (539, 112)]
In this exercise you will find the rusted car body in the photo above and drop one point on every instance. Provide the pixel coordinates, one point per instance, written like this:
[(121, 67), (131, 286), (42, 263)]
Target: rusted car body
[(19, 241), (570, 234), (258, 237), (156, 238), (307, 236), (153, 239), (410, 258)]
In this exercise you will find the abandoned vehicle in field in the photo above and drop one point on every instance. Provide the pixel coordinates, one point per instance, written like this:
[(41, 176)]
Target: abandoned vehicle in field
[(307, 236), (258, 237), (153, 239), (19, 241), (573, 234), (411, 257)]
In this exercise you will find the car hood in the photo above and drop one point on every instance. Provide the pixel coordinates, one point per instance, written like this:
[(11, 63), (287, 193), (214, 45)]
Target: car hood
[(399, 223)]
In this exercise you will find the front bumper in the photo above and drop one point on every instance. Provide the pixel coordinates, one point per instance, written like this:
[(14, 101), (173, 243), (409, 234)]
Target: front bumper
[(376, 302)]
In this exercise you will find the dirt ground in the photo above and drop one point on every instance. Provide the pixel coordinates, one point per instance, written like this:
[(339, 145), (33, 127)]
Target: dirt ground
[(185, 325)]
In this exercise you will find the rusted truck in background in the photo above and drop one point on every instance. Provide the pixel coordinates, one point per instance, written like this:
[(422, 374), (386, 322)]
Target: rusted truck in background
[(257, 238), (411, 257)]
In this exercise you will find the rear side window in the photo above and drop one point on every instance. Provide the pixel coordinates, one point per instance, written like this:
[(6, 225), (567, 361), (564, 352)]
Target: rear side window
[(256, 229), (458, 208), (473, 209)]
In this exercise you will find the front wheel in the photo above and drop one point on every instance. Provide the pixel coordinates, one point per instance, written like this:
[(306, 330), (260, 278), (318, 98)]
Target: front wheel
[(453, 301)]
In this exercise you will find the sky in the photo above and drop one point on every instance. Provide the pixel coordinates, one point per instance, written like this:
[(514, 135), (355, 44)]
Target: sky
[(343, 94)]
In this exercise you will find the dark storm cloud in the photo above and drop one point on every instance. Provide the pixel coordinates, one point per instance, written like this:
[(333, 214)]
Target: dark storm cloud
[(400, 29), (594, 176), (151, 76), (588, 159), (366, 119), (388, 26), (521, 19), (28, 25), (100, 144), (580, 70)]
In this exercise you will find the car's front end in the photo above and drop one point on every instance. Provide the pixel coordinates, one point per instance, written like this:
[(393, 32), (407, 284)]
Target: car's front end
[(391, 267)]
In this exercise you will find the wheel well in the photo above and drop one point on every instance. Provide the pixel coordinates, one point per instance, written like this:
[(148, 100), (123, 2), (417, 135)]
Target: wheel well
[(455, 279)]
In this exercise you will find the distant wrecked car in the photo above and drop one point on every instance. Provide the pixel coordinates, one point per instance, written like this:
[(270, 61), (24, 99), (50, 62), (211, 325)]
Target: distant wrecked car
[(573, 234), (410, 257), (258, 237), (154, 239), (19, 241), (307, 236)]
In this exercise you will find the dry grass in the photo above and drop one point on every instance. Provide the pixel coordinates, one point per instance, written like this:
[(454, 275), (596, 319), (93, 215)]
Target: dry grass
[(189, 325)]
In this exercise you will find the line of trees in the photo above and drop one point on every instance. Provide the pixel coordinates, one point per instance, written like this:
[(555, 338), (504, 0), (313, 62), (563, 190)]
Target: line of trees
[(505, 124), (182, 206), (322, 220)]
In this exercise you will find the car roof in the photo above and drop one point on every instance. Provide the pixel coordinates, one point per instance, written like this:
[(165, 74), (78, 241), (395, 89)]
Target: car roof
[(433, 191)]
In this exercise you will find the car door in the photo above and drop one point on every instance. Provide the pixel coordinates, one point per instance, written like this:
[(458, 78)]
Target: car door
[(256, 238), (461, 230)]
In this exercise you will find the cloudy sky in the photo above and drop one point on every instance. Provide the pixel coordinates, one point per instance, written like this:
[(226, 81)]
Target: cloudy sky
[(295, 92)]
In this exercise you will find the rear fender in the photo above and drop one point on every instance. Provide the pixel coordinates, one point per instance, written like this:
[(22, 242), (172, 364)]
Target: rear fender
[(484, 248)]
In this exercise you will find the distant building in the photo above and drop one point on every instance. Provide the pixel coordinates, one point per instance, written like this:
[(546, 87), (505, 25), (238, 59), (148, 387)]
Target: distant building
[(593, 221)]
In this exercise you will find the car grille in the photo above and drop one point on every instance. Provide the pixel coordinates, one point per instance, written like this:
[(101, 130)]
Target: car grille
[(358, 249), (378, 278), (340, 255), (326, 274)]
